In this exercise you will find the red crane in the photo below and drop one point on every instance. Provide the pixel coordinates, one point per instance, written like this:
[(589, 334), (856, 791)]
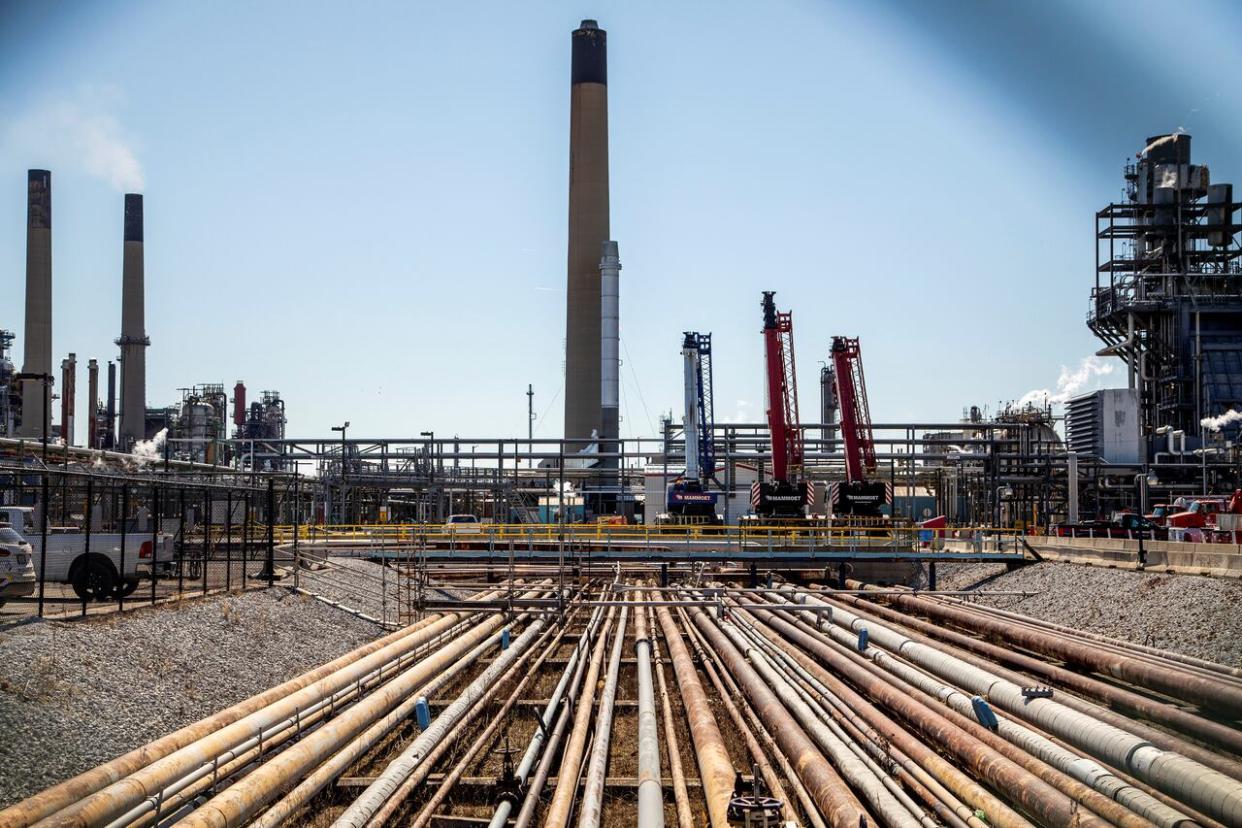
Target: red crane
[(858, 495), (787, 494)]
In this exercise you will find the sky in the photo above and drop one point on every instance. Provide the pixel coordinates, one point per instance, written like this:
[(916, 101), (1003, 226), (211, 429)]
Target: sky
[(364, 206)]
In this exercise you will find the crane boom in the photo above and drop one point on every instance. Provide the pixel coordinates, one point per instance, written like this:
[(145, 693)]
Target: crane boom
[(859, 495), (783, 422), (689, 497), (855, 415)]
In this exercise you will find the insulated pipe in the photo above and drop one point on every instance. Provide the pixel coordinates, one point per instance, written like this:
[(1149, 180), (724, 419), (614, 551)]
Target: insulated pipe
[(593, 785), (496, 717), (1200, 787), (386, 784), (1224, 671), (852, 769), (71, 791), (340, 761), (832, 796), (866, 742), (569, 677), (1133, 670), (241, 801), (119, 798), (650, 794), (557, 815), (1074, 775), (715, 769), (1120, 698), (811, 694), (968, 790)]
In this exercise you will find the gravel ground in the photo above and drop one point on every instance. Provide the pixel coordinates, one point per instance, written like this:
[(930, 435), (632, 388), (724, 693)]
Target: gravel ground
[(364, 586), (75, 694), (1188, 614)]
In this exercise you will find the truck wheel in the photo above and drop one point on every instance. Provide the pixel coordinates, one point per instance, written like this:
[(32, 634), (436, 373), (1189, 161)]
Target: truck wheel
[(95, 580), (126, 588)]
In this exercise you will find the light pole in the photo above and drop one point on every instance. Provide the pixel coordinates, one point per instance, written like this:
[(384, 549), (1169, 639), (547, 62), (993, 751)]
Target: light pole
[(342, 429)]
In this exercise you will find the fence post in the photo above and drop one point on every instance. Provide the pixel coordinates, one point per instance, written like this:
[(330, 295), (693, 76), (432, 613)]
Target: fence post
[(245, 538), (155, 537), (206, 534), (120, 587), (43, 505), (181, 546), (228, 541), (297, 530), (271, 531)]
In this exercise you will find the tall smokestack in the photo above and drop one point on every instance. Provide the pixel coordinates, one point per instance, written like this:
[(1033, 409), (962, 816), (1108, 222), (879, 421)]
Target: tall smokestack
[(37, 357), (108, 438), (92, 392), (588, 228), (610, 355), (133, 339), (68, 397)]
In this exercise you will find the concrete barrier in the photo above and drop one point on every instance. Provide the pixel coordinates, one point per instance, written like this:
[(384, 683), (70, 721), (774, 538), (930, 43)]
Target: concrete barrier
[(1221, 560)]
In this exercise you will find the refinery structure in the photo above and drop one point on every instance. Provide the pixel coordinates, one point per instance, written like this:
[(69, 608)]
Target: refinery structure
[(721, 623)]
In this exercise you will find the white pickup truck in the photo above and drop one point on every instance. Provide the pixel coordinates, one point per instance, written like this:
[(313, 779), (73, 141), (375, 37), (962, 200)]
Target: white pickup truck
[(103, 572)]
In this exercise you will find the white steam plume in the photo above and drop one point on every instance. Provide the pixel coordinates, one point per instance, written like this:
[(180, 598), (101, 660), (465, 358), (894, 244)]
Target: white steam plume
[(1070, 383), (1233, 415), (81, 134), (148, 451)]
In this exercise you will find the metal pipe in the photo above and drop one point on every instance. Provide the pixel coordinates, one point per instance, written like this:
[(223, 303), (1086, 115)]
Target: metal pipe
[(1177, 684), (593, 786), (496, 718), (385, 785), (565, 688), (1074, 775), (715, 769), (242, 800), (681, 795), (849, 765), (832, 796), (650, 794), (1200, 787), (340, 761), (79, 788), (1161, 712), (557, 815), (749, 727)]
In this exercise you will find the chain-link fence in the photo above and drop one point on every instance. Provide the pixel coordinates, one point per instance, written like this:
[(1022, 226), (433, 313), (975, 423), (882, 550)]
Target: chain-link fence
[(78, 542)]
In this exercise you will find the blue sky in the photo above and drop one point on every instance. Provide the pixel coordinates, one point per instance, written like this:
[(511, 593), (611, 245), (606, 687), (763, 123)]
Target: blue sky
[(365, 208)]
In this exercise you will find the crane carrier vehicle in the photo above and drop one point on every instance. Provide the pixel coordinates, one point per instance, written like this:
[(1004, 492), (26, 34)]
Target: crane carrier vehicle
[(690, 501)]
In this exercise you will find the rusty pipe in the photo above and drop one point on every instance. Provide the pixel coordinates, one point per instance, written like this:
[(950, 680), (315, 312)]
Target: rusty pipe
[(557, 815), (1177, 684), (593, 787), (832, 796), (681, 794), (971, 649), (715, 769), (75, 790)]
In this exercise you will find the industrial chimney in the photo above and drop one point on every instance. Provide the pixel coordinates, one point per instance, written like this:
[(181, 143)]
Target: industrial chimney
[(68, 397), (92, 393), (37, 358), (610, 355), (588, 229), (133, 340), (108, 438)]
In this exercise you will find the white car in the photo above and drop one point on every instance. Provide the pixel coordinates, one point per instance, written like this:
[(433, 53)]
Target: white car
[(463, 525), (17, 571)]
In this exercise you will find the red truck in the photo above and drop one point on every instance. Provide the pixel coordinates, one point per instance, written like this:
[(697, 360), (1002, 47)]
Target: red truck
[(1212, 518)]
